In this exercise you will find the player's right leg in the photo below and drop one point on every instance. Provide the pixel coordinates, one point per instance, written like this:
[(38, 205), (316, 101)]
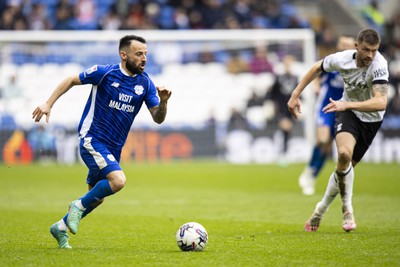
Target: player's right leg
[(321, 208), (313, 222)]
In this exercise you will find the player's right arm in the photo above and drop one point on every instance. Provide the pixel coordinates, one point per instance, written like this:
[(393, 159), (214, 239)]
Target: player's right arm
[(294, 105), (61, 89)]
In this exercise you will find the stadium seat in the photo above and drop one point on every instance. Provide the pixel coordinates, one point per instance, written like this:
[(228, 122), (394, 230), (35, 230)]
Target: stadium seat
[(28, 70), (7, 69), (70, 69), (49, 69), (256, 117), (215, 68)]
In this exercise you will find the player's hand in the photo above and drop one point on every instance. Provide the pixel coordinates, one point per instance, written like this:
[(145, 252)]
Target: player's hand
[(41, 110), (334, 106), (294, 107), (163, 93)]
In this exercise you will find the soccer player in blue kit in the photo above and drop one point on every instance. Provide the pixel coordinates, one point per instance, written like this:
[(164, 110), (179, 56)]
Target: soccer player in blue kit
[(118, 92), (331, 86), (359, 115)]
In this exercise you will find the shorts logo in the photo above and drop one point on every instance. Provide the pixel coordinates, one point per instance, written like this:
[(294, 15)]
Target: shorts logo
[(339, 127), (110, 157)]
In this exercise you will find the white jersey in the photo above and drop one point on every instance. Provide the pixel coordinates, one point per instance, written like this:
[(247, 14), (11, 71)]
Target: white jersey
[(358, 81)]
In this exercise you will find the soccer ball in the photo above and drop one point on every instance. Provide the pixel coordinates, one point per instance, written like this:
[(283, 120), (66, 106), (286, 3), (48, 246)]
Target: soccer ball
[(191, 236)]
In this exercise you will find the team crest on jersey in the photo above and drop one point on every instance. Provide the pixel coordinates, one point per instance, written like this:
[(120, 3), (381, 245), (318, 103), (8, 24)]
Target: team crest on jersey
[(138, 89), (110, 157), (91, 69)]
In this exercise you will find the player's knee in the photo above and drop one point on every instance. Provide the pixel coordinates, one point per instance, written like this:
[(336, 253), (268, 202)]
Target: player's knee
[(117, 181), (344, 155)]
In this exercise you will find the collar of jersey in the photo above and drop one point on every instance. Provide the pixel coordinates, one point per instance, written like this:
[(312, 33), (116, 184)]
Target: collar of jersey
[(124, 72)]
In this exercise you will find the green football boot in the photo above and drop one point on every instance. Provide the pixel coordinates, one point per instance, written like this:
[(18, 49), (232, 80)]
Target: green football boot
[(61, 236), (74, 217)]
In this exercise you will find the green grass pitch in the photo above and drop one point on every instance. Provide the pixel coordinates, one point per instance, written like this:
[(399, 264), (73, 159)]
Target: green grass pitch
[(254, 215)]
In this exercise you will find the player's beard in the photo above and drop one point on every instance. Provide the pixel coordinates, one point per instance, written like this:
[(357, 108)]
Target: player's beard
[(367, 62), (134, 69), (363, 62)]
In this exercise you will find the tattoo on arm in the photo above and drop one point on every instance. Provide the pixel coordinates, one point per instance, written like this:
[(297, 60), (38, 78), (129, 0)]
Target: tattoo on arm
[(380, 88), (159, 112)]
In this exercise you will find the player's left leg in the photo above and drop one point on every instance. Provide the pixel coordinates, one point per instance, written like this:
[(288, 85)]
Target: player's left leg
[(105, 178), (345, 174), (59, 231), (364, 140)]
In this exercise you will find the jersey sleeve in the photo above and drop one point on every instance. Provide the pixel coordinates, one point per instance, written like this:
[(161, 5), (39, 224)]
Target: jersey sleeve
[(379, 70), (93, 75), (151, 99), (330, 63)]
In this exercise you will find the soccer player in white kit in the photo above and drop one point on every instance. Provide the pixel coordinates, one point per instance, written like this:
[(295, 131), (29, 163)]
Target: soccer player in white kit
[(331, 86), (118, 92), (359, 115)]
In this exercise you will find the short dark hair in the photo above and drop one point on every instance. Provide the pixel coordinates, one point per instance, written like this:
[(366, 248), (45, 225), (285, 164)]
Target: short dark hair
[(125, 41), (369, 36)]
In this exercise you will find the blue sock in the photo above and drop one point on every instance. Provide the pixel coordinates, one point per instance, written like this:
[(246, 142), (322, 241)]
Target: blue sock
[(88, 210), (101, 190), (317, 160), (65, 218)]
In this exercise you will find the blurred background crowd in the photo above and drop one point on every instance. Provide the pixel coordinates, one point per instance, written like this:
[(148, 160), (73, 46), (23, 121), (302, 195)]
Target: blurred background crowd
[(321, 16), (200, 14), (148, 14)]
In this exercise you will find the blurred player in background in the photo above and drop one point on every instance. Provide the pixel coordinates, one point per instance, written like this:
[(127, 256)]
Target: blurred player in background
[(330, 86), (280, 94), (118, 92), (359, 115)]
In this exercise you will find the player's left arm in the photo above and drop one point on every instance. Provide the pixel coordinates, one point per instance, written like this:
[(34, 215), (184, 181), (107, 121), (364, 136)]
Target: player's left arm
[(377, 102), (159, 112)]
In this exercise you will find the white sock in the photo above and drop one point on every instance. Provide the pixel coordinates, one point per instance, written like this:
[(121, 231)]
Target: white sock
[(345, 182), (79, 205), (331, 192), (61, 225)]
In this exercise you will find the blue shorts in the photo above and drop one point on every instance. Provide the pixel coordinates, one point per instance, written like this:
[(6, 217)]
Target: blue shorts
[(326, 119), (99, 159)]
